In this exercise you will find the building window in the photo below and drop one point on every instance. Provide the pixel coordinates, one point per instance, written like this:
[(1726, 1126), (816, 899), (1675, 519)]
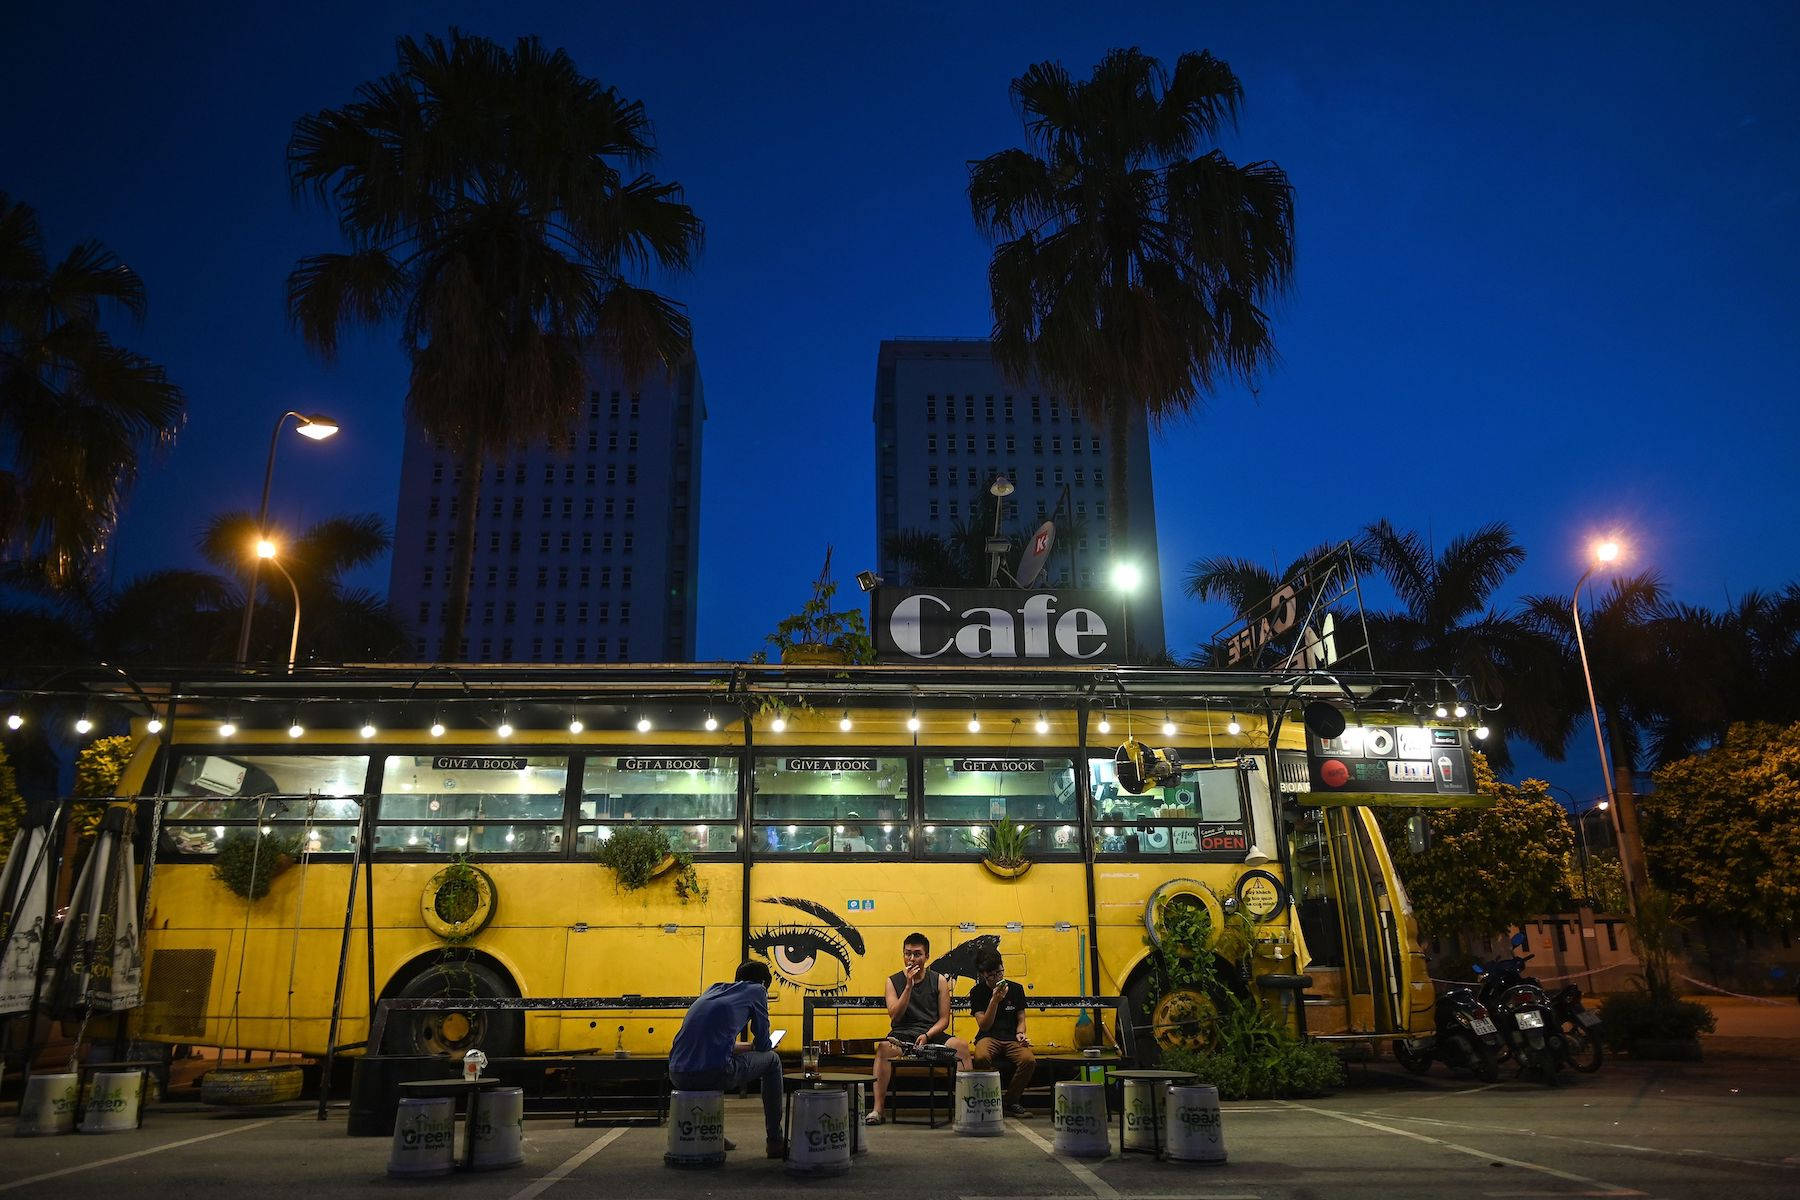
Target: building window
[(581, 612), (600, 649), (991, 443), (562, 612), (1097, 480), (487, 649), (630, 506), (537, 649), (587, 507), (931, 443), (969, 408), (1012, 444), (1058, 476), (990, 410), (1056, 445), (493, 543), (512, 543), (625, 613), (587, 546), (626, 543), (430, 540), (613, 408), (512, 613), (624, 649), (593, 442), (609, 506), (543, 542), (593, 406), (634, 406), (506, 648), (1055, 410), (605, 542), (953, 512), (934, 510), (496, 508), (549, 473), (612, 443), (568, 507), (625, 578), (1038, 476), (603, 611), (562, 577), (437, 472), (543, 577), (630, 472), (518, 507), (585, 538), (1037, 443), (569, 471), (425, 578), (969, 442), (605, 577), (590, 474), (537, 613), (1078, 474), (424, 612), (1095, 445), (565, 542), (1008, 409), (512, 577), (930, 412), (1099, 508), (431, 510), (581, 649), (631, 443), (518, 473), (1037, 409), (931, 477)]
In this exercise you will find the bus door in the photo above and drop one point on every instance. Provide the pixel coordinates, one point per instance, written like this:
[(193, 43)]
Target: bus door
[(627, 960), (1354, 920)]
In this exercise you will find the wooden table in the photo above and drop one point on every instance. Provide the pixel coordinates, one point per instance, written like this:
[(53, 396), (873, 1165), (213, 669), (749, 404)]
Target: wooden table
[(842, 1080), (1145, 1076), (472, 1088)]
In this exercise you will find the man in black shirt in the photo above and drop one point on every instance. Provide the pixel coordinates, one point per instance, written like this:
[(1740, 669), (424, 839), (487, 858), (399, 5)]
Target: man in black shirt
[(999, 1010)]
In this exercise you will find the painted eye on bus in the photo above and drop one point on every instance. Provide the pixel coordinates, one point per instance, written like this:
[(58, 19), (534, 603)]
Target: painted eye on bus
[(810, 958)]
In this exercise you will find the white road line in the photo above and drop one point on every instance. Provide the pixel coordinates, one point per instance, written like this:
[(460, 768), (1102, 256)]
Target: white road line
[(118, 1158), (1608, 1189), (1102, 1189), (538, 1187), (1629, 1147)]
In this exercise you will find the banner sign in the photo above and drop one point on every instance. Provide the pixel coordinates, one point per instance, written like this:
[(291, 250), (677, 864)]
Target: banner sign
[(829, 764), (453, 762), (967, 625), (665, 764), (999, 766), (1390, 759)]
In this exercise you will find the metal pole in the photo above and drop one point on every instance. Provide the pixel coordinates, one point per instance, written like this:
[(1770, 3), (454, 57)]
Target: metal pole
[(262, 522), (1599, 738), (294, 641), (337, 995)]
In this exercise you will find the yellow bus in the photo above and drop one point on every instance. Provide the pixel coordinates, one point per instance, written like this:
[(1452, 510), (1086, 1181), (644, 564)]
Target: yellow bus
[(829, 812)]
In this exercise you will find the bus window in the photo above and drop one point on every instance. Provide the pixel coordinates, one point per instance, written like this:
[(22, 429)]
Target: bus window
[(692, 798), (813, 804), (304, 795), (475, 804), (964, 794), (1200, 814)]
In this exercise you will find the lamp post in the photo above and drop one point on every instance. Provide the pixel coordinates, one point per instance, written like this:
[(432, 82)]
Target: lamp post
[(318, 427), (1000, 489), (266, 549), (1604, 553), (1125, 578)]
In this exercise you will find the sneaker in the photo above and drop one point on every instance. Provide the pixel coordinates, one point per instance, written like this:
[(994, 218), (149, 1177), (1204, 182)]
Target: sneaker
[(777, 1148), (1019, 1112)]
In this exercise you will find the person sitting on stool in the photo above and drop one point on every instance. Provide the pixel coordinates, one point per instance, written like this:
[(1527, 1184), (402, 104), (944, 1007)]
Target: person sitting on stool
[(918, 1003), (707, 1057), (999, 1010)]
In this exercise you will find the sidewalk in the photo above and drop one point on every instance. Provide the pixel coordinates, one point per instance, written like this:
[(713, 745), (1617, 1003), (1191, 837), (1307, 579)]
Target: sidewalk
[(1750, 1027)]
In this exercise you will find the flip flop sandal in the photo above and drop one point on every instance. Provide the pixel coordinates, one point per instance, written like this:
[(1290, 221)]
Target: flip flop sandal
[(875, 1118)]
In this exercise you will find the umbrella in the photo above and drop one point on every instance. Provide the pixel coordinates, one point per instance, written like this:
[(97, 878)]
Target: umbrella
[(24, 907), (99, 962)]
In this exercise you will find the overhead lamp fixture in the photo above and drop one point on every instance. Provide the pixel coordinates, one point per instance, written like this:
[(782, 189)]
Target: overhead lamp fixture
[(1232, 727), (437, 728), (367, 731), (227, 728), (844, 722), (153, 725), (14, 721), (912, 722), (1126, 577), (712, 723), (1001, 487), (1042, 726), (974, 722), (318, 427), (1168, 726), (575, 725), (296, 730), (83, 725), (868, 581), (643, 724)]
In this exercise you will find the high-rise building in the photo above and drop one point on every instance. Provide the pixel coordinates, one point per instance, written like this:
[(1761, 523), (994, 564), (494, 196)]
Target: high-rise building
[(947, 422), (586, 549)]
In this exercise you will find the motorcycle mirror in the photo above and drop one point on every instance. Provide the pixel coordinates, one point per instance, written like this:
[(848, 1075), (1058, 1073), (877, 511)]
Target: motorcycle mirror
[(1479, 969), (1518, 939)]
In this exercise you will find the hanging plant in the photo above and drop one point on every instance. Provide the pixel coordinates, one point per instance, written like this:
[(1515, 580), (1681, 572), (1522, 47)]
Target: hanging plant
[(1006, 849), (637, 854), (247, 864), (458, 902)]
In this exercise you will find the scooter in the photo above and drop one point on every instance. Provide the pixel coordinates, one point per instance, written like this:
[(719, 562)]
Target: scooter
[(1466, 1037), (1581, 1031), (1529, 1027)]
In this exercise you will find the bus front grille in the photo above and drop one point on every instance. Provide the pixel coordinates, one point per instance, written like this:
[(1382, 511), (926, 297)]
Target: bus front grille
[(175, 1000)]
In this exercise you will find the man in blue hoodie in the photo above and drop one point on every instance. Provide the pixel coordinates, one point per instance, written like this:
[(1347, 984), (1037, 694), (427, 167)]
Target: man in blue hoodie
[(708, 1057)]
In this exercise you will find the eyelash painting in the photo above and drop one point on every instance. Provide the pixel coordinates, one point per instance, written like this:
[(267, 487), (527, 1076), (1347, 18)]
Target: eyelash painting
[(792, 951)]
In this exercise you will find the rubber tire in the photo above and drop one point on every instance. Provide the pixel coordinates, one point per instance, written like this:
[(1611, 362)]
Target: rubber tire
[(233, 1088), (1486, 1062), (1417, 1064), (496, 1034), (1576, 1036), (1145, 1052)]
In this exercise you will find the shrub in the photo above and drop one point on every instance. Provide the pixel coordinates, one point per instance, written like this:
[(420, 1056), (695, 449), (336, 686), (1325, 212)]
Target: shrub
[(1641, 1016), (1257, 1057), (243, 856), (634, 852)]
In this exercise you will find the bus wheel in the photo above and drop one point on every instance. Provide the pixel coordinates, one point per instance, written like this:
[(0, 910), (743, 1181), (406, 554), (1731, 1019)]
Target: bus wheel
[(453, 1032), (1185, 1020)]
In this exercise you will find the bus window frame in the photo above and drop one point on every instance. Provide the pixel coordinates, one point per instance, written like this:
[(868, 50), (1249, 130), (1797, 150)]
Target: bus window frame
[(1245, 819), (168, 852), (1077, 764), (378, 773), (578, 773), (907, 755)]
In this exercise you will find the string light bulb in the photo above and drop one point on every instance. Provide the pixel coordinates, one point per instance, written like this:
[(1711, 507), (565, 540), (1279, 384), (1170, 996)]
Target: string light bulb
[(1462, 710), (437, 729), (1232, 727), (1105, 725), (1481, 733), (1042, 726), (1441, 711), (153, 725), (505, 730), (712, 723), (227, 728), (14, 721), (779, 724), (83, 725), (844, 722), (643, 725), (367, 731), (1168, 726), (575, 725), (974, 722), (912, 722), (296, 730)]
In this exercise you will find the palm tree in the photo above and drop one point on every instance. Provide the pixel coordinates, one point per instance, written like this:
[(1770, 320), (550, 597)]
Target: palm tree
[(1130, 270), (1243, 584), (76, 410), (496, 202), (1447, 623)]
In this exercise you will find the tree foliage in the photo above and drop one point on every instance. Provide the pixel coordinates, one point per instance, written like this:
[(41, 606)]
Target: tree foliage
[(1486, 869), (1722, 828), (12, 805)]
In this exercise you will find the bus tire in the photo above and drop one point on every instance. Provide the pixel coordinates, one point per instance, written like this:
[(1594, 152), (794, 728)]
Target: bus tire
[(1184, 888), (453, 1032), (460, 919), (233, 1087)]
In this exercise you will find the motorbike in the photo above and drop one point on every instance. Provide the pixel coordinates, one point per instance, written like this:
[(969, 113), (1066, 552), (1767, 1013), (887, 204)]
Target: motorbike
[(1580, 1030), (1465, 1036), (1530, 1031)]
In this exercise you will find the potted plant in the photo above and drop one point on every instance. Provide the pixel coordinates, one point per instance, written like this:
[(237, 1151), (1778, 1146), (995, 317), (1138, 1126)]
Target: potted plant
[(639, 853), (247, 863), (1005, 849), (819, 635)]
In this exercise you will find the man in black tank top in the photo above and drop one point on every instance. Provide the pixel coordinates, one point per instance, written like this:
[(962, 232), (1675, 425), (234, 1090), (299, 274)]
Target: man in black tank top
[(918, 1003)]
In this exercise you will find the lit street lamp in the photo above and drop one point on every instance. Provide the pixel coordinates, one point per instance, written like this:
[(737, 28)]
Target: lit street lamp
[(1125, 578), (1604, 553), (266, 549), (318, 427)]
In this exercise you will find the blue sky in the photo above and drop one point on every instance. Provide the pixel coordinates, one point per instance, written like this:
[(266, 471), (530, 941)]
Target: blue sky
[(1547, 262)]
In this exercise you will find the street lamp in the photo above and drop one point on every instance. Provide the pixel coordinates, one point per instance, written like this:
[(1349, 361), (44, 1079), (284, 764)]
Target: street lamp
[(1604, 553), (1000, 489), (1125, 578), (266, 549), (318, 427)]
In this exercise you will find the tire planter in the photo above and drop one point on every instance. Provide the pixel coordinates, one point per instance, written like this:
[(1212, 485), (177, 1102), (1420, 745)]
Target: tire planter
[(1195, 890), (443, 913), (248, 1087), (1002, 872)]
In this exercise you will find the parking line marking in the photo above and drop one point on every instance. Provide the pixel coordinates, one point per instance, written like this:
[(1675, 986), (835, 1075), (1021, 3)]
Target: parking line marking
[(538, 1187), (1610, 1189), (118, 1158), (1679, 1152), (1103, 1190)]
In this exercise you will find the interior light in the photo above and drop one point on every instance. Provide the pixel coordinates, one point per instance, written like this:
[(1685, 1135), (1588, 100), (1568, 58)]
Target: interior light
[(887, 829), (837, 828), (218, 831), (462, 839), (931, 829), (779, 724), (413, 840), (712, 722), (505, 730), (437, 729), (226, 729), (14, 721), (643, 724), (912, 723), (367, 731), (153, 725), (83, 725), (509, 836), (296, 729), (575, 725), (604, 832), (1232, 727), (844, 724)]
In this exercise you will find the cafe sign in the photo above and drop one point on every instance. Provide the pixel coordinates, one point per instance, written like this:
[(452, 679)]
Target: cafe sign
[(995, 625)]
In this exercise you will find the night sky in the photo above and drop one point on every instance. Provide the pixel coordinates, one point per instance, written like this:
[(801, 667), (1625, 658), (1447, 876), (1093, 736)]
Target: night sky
[(1547, 263)]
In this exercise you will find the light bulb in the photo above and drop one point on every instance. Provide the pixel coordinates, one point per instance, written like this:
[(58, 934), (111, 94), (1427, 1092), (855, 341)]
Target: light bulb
[(367, 731), (1105, 725), (1461, 711), (1440, 712), (505, 730), (83, 725), (14, 721), (1232, 727), (226, 729), (912, 723), (1042, 725), (575, 725), (778, 724), (437, 729), (296, 729), (1168, 726), (712, 722), (153, 725), (844, 724), (1481, 732), (974, 723), (643, 724)]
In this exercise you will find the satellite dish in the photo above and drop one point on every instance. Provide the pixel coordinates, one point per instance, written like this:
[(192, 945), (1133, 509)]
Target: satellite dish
[(1037, 553)]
